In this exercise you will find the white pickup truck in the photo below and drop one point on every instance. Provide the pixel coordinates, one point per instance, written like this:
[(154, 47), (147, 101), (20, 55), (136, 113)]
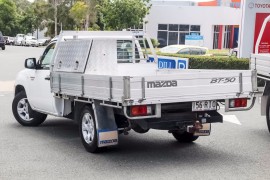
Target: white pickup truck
[(260, 62), (105, 81)]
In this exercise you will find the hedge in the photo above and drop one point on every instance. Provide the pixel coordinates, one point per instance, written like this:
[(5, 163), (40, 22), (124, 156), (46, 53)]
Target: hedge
[(213, 62)]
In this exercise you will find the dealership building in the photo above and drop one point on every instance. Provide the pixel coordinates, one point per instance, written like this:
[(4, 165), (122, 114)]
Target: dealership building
[(213, 24)]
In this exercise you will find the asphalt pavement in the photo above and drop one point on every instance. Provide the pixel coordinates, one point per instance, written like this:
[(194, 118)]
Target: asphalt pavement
[(236, 149)]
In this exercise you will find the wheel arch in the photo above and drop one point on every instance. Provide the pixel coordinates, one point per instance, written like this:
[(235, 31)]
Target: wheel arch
[(18, 89), (78, 107)]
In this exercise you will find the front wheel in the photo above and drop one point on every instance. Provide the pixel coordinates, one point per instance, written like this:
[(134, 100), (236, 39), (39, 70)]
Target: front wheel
[(23, 112), (3, 48), (268, 113), (184, 137), (88, 130)]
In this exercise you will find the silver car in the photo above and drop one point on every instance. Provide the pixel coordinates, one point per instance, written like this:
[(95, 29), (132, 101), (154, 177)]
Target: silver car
[(18, 39), (30, 41)]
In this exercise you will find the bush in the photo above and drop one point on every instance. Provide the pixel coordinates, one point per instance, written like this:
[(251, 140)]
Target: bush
[(212, 62), (155, 43)]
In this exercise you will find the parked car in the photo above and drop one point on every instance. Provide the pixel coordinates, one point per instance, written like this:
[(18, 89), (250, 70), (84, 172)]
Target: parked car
[(54, 39), (9, 40), (30, 41), (18, 39), (43, 42), (2, 41), (184, 49)]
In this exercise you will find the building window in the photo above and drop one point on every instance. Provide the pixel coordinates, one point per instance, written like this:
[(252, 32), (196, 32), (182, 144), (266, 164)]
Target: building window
[(173, 38), (173, 27), (195, 28), (162, 38), (184, 27), (227, 36), (169, 34), (163, 27), (216, 36), (182, 37)]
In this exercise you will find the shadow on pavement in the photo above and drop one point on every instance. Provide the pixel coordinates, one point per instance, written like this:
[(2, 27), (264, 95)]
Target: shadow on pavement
[(134, 150)]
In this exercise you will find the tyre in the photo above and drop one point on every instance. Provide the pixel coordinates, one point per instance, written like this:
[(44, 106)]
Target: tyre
[(268, 113), (23, 112), (3, 48), (184, 137), (88, 130)]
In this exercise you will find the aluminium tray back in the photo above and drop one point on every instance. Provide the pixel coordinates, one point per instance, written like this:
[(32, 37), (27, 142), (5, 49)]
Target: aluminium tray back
[(188, 86), (99, 87), (261, 63)]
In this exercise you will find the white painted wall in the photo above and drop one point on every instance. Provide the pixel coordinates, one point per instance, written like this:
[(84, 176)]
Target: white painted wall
[(207, 17), (41, 34), (247, 28)]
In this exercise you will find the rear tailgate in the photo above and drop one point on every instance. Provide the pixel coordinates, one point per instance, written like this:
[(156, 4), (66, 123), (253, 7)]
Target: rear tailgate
[(192, 85)]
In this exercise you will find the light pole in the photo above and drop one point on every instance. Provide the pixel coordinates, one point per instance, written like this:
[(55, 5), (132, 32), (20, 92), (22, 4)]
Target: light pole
[(55, 17)]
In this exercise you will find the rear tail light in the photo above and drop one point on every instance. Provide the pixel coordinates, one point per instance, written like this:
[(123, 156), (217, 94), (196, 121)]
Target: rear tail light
[(143, 110), (237, 103)]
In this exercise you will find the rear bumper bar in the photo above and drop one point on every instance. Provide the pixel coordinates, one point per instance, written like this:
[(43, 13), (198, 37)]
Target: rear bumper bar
[(169, 121)]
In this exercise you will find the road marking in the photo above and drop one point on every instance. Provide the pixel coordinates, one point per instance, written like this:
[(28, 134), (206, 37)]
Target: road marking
[(231, 119), (6, 86)]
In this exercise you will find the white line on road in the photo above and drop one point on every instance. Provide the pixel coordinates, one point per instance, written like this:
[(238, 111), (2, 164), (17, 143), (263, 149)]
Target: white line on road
[(231, 119)]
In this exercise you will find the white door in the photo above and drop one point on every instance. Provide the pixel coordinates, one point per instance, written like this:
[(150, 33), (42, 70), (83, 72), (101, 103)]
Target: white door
[(41, 98)]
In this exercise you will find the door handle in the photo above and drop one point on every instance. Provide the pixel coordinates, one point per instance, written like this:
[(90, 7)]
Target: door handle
[(48, 78)]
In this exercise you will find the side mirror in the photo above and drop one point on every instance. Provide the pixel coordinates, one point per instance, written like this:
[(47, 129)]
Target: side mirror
[(30, 63)]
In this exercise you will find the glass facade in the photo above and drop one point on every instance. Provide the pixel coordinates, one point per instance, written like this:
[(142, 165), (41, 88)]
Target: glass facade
[(169, 34), (216, 36), (227, 36)]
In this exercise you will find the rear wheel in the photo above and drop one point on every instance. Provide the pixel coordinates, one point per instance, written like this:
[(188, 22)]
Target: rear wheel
[(268, 113), (184, 137), (23, 112), (88, 130)]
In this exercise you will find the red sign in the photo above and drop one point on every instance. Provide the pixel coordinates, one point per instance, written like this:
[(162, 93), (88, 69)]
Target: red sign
[(264, 46)]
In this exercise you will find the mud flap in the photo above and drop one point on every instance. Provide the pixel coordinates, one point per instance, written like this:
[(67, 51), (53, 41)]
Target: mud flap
[(106, 127)]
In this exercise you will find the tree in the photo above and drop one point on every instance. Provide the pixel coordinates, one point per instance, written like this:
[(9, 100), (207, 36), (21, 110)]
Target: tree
[(122, 14), (40, 14), (83, 13), (7, 17), (22, 6), (64, 21), (79, 12)]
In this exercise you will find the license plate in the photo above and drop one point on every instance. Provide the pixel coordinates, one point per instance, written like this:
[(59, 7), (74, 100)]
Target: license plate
[(204, 105)]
